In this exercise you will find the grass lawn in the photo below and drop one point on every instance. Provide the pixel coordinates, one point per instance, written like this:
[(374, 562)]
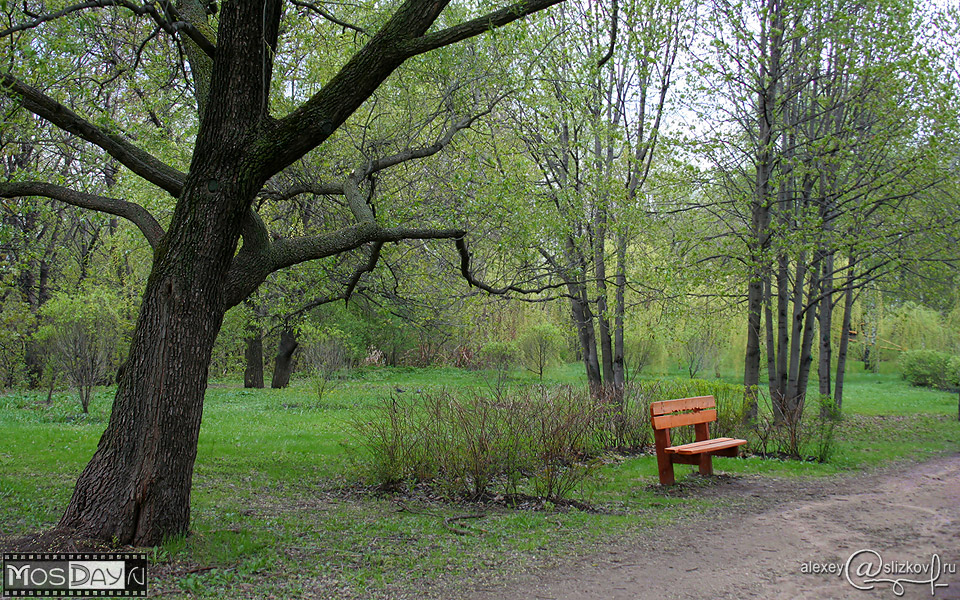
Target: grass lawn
[(280, 508)]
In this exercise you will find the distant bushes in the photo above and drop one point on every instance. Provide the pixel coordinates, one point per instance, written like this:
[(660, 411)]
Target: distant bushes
[(547, 441), (544, 441), (474, 445), (929, 368)]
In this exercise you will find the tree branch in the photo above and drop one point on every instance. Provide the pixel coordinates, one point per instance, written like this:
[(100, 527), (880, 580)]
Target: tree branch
[(614, 23), (400, 38), (289, 252), (320, 189), (467, 273), (426, 151), (475, 27), (252, 266), (366, 267), (316, 9), (134, 213), (144, 9), (137, 160)]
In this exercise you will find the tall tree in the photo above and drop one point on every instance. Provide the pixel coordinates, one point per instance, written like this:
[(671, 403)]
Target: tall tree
[(838, 136), (590, 126), (136, 488)]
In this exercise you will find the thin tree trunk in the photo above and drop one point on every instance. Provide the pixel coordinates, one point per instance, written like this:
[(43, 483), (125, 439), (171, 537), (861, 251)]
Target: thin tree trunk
[(797, 387), (843, 350), (771, 344), (826, 327), (771, 52), (783, 329), (787, 399), (253, 354), (283, 363), (582, 314), (583, 318), (603, 318), (751, 369), (619, 314)]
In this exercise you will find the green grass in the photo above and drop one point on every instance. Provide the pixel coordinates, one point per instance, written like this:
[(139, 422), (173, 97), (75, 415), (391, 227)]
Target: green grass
[(278, 510)]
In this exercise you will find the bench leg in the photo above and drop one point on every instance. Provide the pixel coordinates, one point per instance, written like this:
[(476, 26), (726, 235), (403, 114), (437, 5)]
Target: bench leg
[(706, 464), (665, 467)]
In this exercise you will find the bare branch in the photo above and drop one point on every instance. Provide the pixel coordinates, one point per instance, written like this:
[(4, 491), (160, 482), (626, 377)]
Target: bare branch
[(475, 27), (320, 189), (467, 273), (367, 267), (144, 9), (134, 213), (614, 24), (137, 160), (333, 19), (187, 27), (426, 151)]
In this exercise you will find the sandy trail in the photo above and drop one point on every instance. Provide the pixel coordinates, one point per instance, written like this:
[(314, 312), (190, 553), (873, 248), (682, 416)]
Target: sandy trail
[(905, 514)]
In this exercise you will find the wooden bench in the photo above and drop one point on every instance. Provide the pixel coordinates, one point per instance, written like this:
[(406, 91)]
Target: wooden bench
[(698, 412)]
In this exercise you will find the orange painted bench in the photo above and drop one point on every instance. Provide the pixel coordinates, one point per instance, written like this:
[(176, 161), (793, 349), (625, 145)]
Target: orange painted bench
[(699, 412)]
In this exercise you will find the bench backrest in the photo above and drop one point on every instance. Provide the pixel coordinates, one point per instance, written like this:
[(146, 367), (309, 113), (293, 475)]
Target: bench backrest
[(685, 411), (667, 414)]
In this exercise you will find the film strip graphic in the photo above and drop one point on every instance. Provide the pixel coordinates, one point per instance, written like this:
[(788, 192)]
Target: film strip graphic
[(74, 574)]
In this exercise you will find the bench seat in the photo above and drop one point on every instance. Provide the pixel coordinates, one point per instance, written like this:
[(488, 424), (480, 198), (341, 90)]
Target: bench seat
[(706, 446)]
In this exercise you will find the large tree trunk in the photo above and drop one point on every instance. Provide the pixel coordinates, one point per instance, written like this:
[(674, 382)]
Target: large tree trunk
[(283, 363), (136, 489)]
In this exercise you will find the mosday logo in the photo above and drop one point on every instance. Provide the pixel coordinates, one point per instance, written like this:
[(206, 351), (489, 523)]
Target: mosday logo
[(90, 575)]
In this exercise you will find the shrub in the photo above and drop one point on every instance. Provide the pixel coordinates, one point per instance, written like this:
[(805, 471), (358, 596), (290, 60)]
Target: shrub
[(541, 346), (806, 435), (500, 355), (927, 368), (327, 355), (953, 372), (470, 444), (83, 335), (623, 422), (16, 322)]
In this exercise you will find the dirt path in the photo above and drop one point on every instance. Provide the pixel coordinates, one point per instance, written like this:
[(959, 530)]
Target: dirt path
[(907, 514)]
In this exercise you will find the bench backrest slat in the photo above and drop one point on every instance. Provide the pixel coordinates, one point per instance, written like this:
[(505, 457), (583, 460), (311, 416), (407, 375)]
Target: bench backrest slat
[(685, 411), (679, 420)]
